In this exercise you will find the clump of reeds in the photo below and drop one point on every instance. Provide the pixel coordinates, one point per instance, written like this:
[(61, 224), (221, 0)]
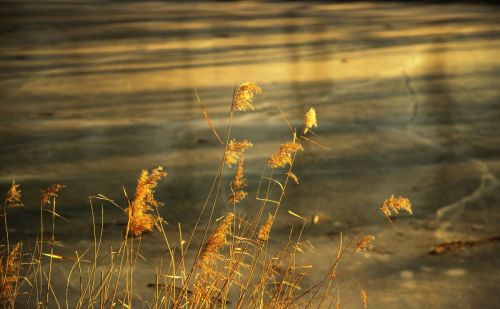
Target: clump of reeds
[(234, 260), (140, 219)]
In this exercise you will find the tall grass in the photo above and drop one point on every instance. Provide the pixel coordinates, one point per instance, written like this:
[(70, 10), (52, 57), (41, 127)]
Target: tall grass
[(232, 265)]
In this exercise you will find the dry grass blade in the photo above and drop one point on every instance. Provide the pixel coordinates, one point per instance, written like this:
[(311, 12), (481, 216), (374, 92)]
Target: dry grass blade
[(209, 122), (364, 298)]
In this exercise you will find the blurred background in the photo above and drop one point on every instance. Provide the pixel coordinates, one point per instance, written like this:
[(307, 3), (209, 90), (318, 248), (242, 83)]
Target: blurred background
[(407, 97)]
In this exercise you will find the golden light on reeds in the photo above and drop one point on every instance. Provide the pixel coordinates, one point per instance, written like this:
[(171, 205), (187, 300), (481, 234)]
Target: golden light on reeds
[(265, 229), (244, 96), (13, 198), (139, 210), (237, 184), (234, 151), (50, 193), (9, 273), (310, 120), (284, 154), (364, 242), (236, 197), (210, 253), (393, 205)]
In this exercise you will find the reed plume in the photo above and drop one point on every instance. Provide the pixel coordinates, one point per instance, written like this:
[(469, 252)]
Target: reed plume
[(284, 154), (13, 198), (364, 242), (237, 184), (139, 210), (234, 151), (265, 229), (393, 205), (210, 253), (9, 274), (310, 120), (244, 96), (50, 193)]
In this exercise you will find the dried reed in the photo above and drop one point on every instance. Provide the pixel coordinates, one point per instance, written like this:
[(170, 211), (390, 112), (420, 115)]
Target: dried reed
[(244, 96), (284, 155), (139, 210), (234, 151)]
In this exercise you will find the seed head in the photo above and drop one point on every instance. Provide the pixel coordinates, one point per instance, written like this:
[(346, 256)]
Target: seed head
[(265, 229), (395, 204), (244, 96), (284, 154), (139, 210), (51, 192), (234, 151), (13, 196), (364, 242), (310, 120)]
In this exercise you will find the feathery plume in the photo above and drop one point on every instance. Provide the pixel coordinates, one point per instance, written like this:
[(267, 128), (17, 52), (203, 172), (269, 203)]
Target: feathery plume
[(395, 204), (236, 197), (210, 253), (264, 230), (234, 151), (310, 120), (139, 210), (13, 198), (284, 154), (364, 298), (244, 96), (9, 274), (51, 192), (237, 184), (364, 242)]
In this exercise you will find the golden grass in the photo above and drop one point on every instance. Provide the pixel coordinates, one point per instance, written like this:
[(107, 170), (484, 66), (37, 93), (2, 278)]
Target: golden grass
[(284, 155), (235, 150), (244, 96), (233, 266), (139, 210), (310, 120), (10, 266), (364, 242)]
